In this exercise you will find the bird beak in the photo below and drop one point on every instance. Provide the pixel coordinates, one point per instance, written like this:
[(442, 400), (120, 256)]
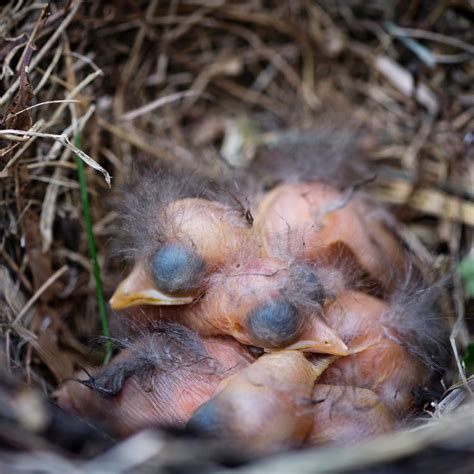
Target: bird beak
[(320, 338), (139, 289)]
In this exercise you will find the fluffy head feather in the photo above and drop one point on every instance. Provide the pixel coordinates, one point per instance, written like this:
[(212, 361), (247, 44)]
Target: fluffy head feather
[(141, 206), (415, 320), (330, 153), (158, 379)]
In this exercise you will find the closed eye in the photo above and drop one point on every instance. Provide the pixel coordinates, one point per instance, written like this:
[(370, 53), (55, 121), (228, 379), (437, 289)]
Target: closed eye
[(177, 270), (275, 324)]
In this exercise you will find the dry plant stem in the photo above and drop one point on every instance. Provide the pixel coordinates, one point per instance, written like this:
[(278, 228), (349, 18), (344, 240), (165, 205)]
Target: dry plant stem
[(130, 67), (81, 123), (93, 252), (402, 80), (427, 200), (49, 203), (46, 48), (77, 89), (48, 208), (423, 53), (459, 303), (364, 456), (16, 269), (132, 139), (65, 142), (160, 102), (38, 27), (285, 50), (39, 292), (37, 126), (45, 103), (437, 37), (49, 70)]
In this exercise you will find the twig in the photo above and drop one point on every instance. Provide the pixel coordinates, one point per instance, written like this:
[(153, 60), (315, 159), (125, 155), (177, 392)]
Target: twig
[(85, 82), (49, 69), (65, 101), (39, 292), (47, 208), (404, 82), (427, 200), (37, 126), (45, 49), (439, 38), (38, 27), (65, 142), (160, 102), (423, 53), (458, 325)]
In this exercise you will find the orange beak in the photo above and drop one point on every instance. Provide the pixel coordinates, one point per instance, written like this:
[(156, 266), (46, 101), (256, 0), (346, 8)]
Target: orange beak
[(320, 338), (139, 289)]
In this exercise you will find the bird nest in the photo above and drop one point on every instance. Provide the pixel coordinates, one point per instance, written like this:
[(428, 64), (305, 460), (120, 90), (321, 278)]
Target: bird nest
[(379, 91)]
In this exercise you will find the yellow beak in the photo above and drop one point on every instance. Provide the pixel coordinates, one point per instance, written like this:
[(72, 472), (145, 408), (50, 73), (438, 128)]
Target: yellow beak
[(320, 338), (138, 289)]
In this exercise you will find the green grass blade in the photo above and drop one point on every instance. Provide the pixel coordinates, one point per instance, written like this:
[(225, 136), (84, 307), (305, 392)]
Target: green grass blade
[(466, 270), (104, 321)]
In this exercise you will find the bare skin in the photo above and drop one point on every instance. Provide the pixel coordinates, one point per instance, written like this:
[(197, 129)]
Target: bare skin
[(262, 408), (314, 221), (375, 361), (347, 415), (249, 303), (198, 237), (157, 381)]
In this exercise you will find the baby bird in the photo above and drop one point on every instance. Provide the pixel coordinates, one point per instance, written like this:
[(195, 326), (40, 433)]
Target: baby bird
[(344, 415), (198, 236), (160, 379), (384, 358), (314, 284), (175, 238), (316, 222), (262, 407), (266, 303)]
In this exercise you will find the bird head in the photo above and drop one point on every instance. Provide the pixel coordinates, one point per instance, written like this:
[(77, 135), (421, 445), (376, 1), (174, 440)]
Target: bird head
[(267, 303), (262, 407), (192, 237), (317, 222)]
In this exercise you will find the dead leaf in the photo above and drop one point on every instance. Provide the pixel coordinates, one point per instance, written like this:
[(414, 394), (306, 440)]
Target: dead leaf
[(16, 117), (40, 262)]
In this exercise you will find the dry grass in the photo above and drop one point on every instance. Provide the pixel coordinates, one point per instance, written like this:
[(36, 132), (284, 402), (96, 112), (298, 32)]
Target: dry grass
[(182, 81)]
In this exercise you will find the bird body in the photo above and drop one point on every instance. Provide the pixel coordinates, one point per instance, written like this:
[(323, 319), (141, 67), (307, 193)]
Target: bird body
[(298, 315), (200, 236), (345, 415), (263, 406), (316, 222), (161, 378), (250, 302), (375, 361)]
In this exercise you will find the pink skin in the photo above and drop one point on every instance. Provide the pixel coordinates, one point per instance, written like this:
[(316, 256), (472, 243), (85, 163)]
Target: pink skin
[(235, 294), (376, 362), (262, 407), (312, 221), (359, 391), (347, 415), (161, 398), (232, 296), (209, 230)]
